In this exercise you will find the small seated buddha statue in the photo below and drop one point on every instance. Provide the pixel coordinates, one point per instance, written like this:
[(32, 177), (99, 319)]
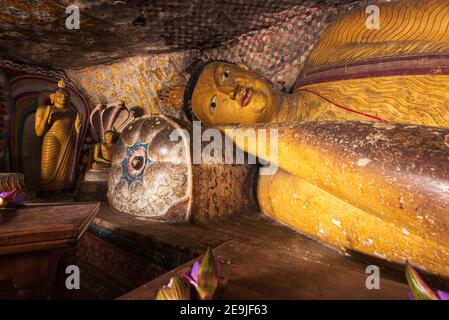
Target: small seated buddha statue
[(363, 139), (102, 156), (107, 123)]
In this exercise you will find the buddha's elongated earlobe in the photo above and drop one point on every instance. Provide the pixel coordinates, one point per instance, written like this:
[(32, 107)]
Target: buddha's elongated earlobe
[(52, 98)]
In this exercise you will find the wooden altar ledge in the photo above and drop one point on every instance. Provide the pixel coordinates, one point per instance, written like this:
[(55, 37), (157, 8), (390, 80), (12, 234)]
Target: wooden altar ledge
[(36, 243), (261, 258), (257, 273)]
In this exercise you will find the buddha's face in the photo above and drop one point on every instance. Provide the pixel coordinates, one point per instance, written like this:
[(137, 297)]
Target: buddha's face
[(59, 98), (227, 93), (108, 137)]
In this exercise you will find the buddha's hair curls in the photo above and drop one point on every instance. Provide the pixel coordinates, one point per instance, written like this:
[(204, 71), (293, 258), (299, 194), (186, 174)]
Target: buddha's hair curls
[(195, 71)]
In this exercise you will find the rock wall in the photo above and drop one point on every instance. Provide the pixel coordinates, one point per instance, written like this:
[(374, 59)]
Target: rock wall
[(278, 52)]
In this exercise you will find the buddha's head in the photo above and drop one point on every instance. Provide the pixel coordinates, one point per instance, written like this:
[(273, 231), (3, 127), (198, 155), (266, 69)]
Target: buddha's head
[(229, 93), (61, 97), (109, 137)]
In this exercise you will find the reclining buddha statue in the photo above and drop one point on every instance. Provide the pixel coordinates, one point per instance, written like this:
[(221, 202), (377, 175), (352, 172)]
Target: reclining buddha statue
[(363, 139)]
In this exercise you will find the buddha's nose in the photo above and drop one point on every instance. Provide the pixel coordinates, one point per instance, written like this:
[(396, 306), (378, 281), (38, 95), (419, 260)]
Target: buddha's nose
[(230, 90), (233, 93)]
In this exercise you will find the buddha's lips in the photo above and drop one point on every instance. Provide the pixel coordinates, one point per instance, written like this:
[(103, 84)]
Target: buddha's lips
[(245, 98)]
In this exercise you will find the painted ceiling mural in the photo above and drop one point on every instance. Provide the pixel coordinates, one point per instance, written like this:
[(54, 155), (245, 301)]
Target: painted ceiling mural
[(278, 52), (272, 37), (134, 80), (34, 31)]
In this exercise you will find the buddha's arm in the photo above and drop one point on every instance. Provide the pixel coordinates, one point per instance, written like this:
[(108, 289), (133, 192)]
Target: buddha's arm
[(98, 154), (307, 105), (41, 120), (397, 173), (328, 219)]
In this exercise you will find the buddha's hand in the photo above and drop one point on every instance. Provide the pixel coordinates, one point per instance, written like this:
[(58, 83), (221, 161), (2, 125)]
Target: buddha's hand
[(47, 114), (172, 97), (77, 123), (42, 120)]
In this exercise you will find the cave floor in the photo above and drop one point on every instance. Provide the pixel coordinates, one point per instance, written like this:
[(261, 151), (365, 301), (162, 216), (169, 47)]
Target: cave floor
[(261, 259)]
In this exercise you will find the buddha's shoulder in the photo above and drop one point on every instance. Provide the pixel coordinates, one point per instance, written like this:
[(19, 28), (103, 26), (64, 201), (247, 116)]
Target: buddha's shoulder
[(43, 109)]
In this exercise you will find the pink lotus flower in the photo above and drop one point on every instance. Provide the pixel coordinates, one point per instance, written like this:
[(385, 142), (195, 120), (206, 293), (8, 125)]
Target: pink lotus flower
[(419, 289), (10, 197), (177, 289), (205, 277), (8, 194)]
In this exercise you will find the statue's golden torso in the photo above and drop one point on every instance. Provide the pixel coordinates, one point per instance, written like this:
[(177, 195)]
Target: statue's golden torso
[(397, 73), (61, 122), (406, 28), (106, 151), (102, 156)]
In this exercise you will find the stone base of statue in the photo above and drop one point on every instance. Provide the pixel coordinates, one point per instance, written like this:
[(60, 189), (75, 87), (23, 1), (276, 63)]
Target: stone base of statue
[(95, 175), (94, 186)]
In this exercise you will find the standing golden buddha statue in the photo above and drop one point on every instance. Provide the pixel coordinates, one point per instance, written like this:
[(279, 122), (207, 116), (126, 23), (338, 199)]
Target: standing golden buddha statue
[(60, 126)]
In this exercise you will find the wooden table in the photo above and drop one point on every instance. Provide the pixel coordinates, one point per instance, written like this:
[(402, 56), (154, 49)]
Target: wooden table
[(36, 244)]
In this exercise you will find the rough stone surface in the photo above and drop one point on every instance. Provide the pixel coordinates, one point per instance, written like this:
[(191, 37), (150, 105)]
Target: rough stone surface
[(277, 51), (35, 31)]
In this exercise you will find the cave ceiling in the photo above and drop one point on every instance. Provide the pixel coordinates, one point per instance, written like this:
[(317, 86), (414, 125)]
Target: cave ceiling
[(35, 32)]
